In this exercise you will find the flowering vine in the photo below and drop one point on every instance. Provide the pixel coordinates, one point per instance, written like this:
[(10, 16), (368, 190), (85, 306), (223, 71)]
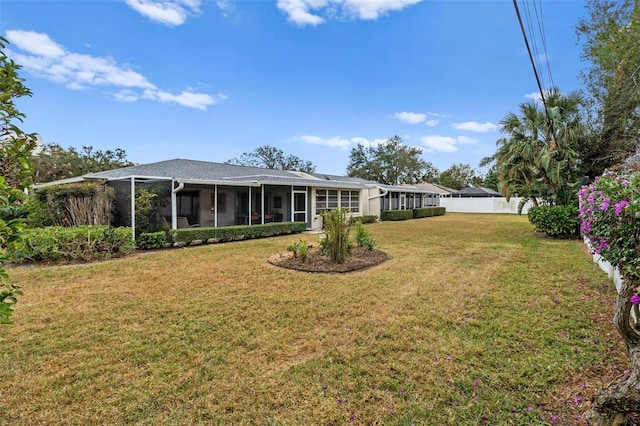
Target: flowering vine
[(610, 214)]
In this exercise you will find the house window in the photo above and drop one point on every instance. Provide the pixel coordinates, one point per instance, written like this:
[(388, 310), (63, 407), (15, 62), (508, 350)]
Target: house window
[(329, 199)]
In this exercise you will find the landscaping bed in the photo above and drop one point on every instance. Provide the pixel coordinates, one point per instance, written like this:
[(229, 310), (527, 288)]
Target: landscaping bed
[(360, 258)]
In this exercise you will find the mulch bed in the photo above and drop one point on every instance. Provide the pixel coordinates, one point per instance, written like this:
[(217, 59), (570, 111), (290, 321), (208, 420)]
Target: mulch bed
[(360, 258)]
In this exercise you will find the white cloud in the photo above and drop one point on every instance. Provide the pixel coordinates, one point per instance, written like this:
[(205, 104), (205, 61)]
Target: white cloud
[(44, 58), (36, 43), (168, 12), (337, 141), (315, 12), (410, 117), (474, 126), (126, 95), (418, 117), (446, 143), (534, 96)]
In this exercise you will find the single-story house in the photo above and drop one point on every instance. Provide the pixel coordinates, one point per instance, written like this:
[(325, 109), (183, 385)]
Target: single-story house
[(216, 194)]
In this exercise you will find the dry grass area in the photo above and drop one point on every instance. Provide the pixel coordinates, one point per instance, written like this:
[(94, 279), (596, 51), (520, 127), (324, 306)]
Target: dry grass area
[(472, 320)]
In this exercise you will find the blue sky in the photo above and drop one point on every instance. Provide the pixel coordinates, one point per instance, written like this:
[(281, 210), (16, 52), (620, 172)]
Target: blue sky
[(210, 80)]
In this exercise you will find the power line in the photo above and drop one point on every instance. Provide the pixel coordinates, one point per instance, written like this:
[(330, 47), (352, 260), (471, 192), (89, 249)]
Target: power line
[(533, 65)]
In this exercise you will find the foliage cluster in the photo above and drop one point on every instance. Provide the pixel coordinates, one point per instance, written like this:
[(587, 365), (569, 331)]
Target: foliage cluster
[(336, 229), (364, 237), (460, 175), (151, 240), (540, 157), (368, 218), (610, 213), (54, 162), (73, 204), (611, 43), (73, 244), (233, 233), (300, 249), (391, 162), (150, 200), (270, 157), (16, 172), (555, 221)]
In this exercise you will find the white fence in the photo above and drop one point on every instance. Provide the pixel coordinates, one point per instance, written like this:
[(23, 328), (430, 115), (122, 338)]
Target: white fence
[(483, 205)]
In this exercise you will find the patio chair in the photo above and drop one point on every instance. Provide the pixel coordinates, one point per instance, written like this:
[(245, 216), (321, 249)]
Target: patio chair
[(183, 222)]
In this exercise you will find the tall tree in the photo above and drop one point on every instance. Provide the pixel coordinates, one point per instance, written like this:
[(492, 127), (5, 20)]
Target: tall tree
[(538, 158), (270, 157), (391, 162), (55, 162), (460, 176), (612, 45), (15, 169)]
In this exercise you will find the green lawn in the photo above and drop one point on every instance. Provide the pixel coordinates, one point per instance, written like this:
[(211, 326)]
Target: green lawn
[(473, 320)]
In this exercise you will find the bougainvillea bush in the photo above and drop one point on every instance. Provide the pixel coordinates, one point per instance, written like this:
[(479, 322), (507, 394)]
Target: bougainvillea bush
[(610, 214)]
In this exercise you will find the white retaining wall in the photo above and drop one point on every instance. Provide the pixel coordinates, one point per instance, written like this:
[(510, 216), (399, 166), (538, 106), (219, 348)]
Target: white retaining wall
[(483, 205)]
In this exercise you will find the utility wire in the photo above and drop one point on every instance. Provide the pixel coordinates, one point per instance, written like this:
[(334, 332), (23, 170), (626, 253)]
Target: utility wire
[(533, 65), (540, 19)]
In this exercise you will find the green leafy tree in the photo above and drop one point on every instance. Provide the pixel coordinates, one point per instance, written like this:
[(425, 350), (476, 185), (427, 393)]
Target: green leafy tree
[(460, 176), (15, 169), (54, 162), (391, 163), (270, 157), (611, 36)]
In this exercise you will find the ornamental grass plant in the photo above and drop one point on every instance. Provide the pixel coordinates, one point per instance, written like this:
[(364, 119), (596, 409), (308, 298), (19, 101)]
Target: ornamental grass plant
[(472, 320)]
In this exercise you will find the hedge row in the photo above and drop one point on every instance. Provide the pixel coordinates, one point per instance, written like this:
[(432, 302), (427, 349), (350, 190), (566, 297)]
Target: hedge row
[(411, 214), (370, 218), (75, 244), (234, 233), (428, 212), (396, 215)]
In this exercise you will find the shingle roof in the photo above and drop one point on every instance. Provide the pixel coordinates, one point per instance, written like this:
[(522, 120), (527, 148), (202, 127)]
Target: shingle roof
[(477, 192), (205, 171), (220, 173)]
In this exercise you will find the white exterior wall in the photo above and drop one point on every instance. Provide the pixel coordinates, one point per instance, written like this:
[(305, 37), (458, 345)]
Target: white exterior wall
[(483, 205)]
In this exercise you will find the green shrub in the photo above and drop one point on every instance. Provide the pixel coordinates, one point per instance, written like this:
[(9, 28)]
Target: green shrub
[(336, 229), (555, 221), (75, 244), (12, 212), (364, 237), (372, 218), (428, 212), (300, 249), (151, 240), (233, 233), (396, 215)]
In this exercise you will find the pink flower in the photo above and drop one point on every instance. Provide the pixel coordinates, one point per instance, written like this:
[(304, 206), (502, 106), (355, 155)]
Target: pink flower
[(635, 299), (621, 205)]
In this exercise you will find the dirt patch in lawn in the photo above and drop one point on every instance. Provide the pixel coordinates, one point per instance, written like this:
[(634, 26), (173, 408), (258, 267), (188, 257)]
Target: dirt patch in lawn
[(360, 258)]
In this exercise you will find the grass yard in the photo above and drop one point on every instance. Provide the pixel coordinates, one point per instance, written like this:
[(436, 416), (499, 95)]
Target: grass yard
[(473, 320)]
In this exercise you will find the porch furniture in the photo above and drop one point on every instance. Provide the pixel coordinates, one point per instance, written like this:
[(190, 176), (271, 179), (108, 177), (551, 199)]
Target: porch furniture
[(183, 222)]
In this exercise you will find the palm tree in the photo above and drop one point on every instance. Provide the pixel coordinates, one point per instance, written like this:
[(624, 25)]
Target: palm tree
[(538, 156)]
